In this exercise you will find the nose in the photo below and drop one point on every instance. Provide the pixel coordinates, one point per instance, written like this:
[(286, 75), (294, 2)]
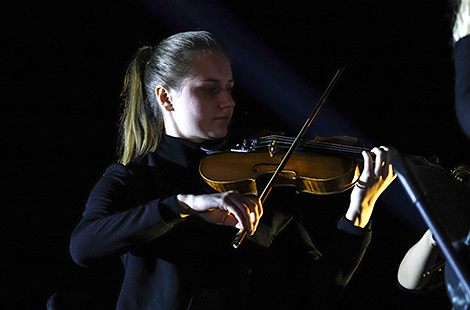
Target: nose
[(226, 100)]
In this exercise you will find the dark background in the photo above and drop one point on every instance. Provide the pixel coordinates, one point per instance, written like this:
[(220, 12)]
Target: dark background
[(63, 67)]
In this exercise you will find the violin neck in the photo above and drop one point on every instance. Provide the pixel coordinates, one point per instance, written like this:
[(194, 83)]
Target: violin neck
[(310, 147)]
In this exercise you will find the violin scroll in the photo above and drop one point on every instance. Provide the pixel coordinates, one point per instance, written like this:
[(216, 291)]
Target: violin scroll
[(461, 173)]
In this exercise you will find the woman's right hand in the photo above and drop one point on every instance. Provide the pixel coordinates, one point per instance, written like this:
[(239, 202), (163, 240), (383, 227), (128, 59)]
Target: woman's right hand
[(229, 208)]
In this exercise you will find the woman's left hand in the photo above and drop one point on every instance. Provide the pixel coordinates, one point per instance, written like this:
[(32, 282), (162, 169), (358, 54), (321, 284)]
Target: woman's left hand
[(375, 178)]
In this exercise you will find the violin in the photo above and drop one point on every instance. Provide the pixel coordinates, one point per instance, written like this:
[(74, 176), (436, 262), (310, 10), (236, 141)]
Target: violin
[(323, 166)]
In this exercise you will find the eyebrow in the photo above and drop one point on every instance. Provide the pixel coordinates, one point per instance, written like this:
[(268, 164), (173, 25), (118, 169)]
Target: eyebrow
[(218, 81)]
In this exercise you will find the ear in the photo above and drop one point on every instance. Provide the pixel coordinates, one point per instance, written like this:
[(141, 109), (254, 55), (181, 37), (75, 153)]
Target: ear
[(163, 98)]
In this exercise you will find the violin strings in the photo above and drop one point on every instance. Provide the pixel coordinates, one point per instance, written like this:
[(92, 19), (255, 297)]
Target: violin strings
[(336, 146), (313, 144), (321, 145)]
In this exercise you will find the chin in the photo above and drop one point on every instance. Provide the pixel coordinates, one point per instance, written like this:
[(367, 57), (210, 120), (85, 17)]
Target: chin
[(214, 135)]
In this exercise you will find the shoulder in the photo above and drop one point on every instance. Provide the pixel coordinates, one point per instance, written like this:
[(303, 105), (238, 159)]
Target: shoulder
[(461, 52), (131, 168), (133, 181), (136, 171), (463, 43)]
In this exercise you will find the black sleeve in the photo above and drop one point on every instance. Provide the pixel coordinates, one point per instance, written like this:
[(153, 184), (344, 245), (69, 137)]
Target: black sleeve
[(114, 221), (462, 82)]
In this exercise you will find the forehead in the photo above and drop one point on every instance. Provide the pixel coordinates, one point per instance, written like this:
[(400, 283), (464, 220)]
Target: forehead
[(210, 65)]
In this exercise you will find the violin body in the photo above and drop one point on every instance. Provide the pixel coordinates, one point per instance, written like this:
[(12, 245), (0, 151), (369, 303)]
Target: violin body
[(309, 169)]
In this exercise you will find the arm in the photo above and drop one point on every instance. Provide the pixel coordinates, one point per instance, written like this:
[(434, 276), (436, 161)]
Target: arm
[(345, 252), (114, 220), (340, 259), (418, 259), (123, 213)]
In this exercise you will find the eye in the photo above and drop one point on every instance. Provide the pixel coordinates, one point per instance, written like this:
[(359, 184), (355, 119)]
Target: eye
[(212, 90)]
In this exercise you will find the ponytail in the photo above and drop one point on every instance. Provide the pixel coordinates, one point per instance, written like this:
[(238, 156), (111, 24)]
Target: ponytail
[(140, 127)]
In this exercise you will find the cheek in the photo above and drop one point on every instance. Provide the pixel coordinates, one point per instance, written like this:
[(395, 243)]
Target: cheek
[(200, 109), (195, 115)]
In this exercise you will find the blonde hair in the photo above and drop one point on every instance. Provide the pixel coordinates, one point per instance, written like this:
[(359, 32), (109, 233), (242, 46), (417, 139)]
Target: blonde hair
[(140, 130), (166, 64)]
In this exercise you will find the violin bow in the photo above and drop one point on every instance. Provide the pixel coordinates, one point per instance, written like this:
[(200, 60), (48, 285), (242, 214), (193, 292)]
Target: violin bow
[(242, 232)]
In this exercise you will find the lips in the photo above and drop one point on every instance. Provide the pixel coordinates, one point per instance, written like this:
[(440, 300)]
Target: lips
[(223, 118)]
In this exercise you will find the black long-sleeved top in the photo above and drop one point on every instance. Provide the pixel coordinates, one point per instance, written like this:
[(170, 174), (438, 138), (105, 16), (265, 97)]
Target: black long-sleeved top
[(176, 263), (462, 82)]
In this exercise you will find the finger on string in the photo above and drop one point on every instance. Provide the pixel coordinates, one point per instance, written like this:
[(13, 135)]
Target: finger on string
[(367, 164), (387, 161), (378, 167)]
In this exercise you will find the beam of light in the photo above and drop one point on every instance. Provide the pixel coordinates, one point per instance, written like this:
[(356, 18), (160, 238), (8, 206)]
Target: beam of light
[(271, 82), (275, 85)]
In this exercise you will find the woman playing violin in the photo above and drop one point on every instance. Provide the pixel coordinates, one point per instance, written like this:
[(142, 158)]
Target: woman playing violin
[(173, 235)]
